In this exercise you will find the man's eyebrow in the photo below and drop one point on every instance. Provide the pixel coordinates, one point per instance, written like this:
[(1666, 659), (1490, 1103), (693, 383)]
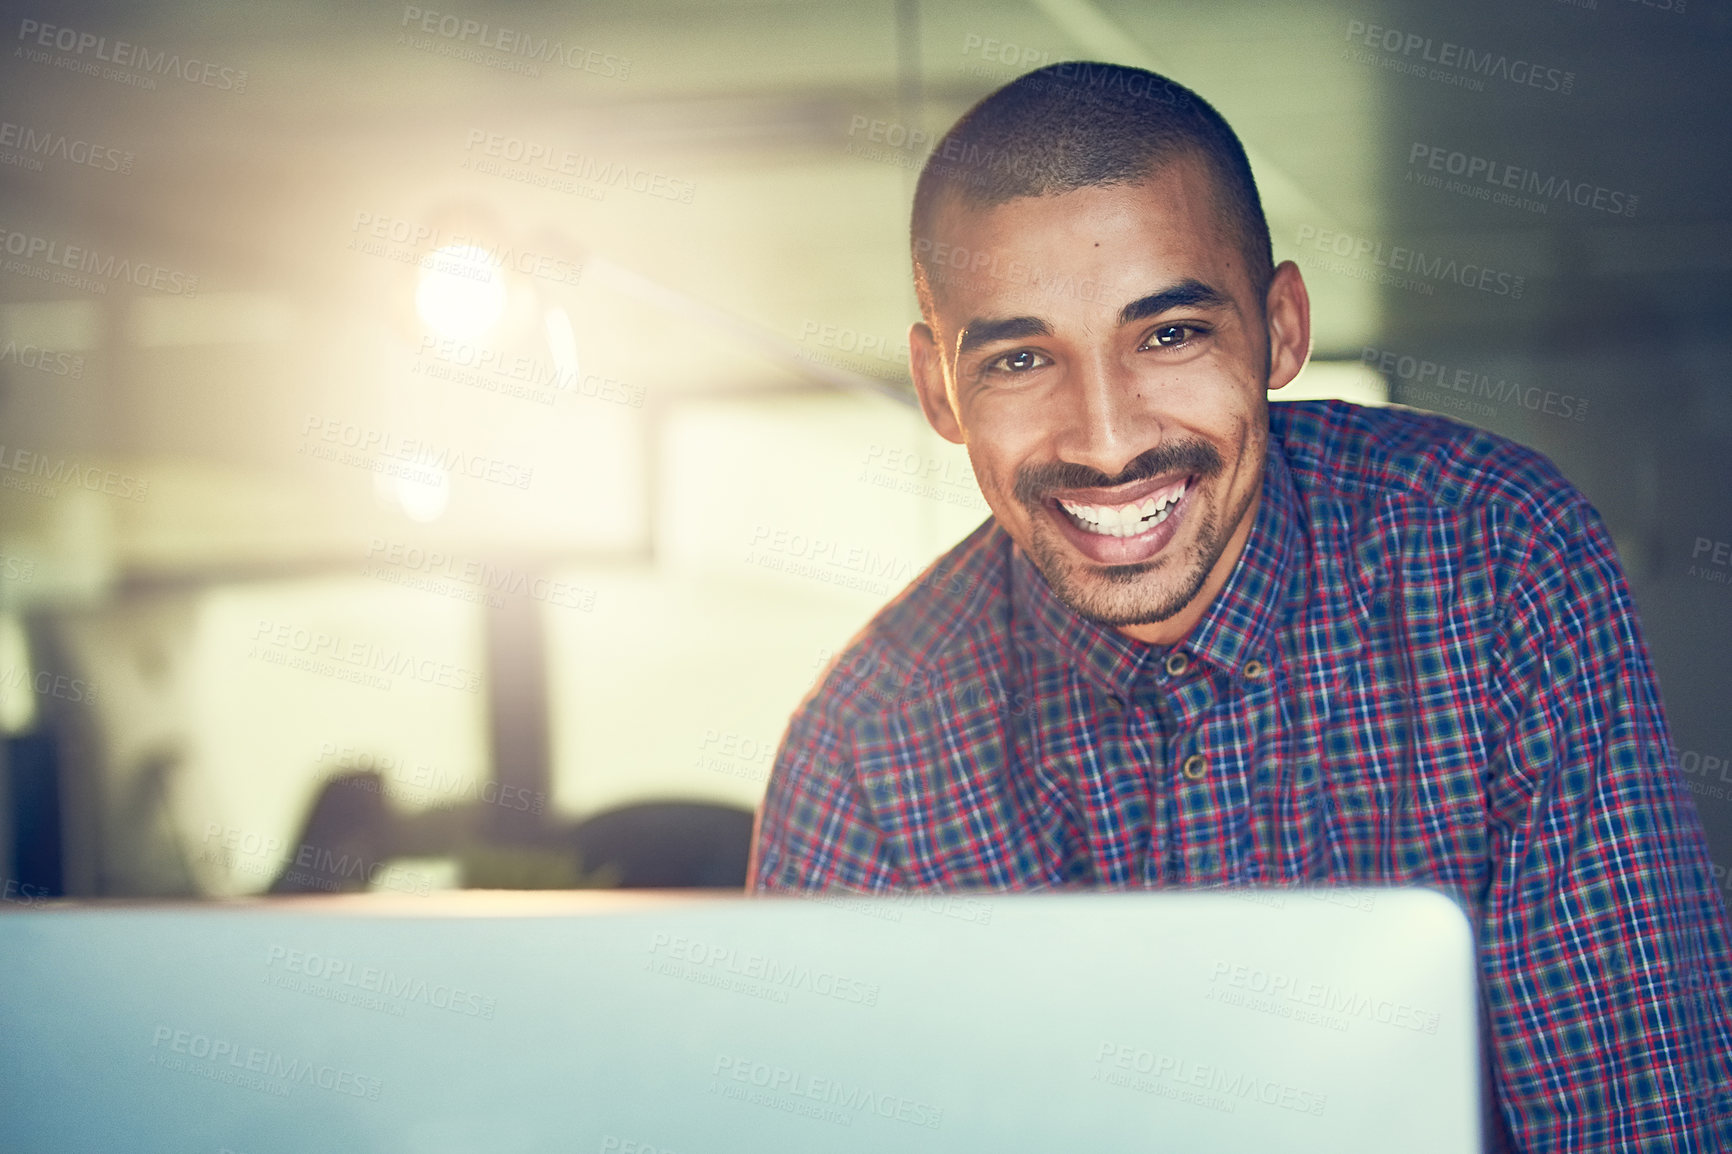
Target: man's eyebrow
[(979, 332), (1187, 294)]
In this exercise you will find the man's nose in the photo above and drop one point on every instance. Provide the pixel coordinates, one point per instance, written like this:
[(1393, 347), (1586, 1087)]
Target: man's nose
[(1107, 422)]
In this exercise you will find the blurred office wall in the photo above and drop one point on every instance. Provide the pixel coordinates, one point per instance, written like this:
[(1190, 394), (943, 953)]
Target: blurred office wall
[(504, 406)]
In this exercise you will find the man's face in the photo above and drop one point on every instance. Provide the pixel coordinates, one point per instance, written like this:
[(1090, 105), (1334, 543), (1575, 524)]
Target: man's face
[(1106, 359)]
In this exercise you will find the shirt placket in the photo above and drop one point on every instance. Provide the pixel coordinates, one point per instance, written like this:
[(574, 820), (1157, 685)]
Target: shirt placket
[(1173, 689), (1202, 784)]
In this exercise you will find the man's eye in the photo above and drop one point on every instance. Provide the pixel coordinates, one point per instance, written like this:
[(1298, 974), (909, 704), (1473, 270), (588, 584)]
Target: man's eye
[(1172, 336), (1021, 361)]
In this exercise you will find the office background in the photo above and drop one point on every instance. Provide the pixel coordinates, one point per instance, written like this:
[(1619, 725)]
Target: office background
[(428, 432)]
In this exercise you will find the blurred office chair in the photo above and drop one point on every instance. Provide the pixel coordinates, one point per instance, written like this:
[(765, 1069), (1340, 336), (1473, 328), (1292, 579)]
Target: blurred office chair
[(348, 833), (352, 831), (669, 844)]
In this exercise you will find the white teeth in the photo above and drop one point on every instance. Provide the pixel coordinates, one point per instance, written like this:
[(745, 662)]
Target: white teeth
[(1124, 520)]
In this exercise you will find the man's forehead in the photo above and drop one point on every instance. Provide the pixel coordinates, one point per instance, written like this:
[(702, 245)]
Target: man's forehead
[(1181, 184), (1090, 250)]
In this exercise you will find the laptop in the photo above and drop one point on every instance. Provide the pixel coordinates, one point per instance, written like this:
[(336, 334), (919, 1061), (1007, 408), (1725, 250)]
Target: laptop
[(1296, 1020)]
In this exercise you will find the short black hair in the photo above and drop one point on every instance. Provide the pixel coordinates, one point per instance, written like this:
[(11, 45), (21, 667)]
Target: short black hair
[(1076, 125)]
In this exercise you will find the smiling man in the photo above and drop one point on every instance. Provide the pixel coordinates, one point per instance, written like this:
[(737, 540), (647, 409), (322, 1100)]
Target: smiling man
[(1204, 640)]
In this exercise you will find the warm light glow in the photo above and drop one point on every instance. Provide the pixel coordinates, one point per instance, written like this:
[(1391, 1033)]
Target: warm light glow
[(562, 344), (422, 501), (461, 293)]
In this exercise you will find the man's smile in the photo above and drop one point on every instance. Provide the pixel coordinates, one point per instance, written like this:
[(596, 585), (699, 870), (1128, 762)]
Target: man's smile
[(1124, 526)]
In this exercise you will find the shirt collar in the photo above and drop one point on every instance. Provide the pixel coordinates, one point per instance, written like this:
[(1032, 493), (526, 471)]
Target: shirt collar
[(1267, 582)]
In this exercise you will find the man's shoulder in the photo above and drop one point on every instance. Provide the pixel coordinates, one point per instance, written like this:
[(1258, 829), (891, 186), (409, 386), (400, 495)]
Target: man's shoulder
[(953, 614), (1367, 456)]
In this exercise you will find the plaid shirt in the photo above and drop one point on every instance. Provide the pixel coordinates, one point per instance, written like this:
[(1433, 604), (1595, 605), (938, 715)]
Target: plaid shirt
[(1425, 668)]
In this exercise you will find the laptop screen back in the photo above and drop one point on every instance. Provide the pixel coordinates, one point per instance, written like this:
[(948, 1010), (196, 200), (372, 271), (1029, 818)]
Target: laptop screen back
[(1292, 1020)]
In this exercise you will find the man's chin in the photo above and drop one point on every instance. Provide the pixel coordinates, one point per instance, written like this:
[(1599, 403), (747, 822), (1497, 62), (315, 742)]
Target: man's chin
[(1116, 595), (1112, 608)]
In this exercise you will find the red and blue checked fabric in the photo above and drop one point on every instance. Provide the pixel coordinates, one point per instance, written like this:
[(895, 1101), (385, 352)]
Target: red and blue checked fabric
[(1425, 668)]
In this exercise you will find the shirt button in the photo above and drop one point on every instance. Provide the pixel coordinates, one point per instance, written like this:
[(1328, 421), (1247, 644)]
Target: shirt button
[(1177, 662), (1256, 670), (1195, 766)]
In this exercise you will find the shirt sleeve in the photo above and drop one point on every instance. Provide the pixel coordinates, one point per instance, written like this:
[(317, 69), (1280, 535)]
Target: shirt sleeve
[(1604, 947), (814, 830)]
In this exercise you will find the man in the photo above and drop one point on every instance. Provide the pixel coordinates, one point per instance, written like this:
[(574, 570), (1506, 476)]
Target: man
[(1207, 641)]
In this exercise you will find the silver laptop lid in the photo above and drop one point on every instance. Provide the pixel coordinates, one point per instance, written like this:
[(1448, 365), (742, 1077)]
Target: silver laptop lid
[(1292, 1020)]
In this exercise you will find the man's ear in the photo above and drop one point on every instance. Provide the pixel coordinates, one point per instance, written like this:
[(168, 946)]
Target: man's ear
[(926, 366), (1288, 308)]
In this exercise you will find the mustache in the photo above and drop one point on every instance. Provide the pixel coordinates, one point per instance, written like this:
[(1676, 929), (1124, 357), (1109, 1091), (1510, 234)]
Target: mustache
[(1035, 482)]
